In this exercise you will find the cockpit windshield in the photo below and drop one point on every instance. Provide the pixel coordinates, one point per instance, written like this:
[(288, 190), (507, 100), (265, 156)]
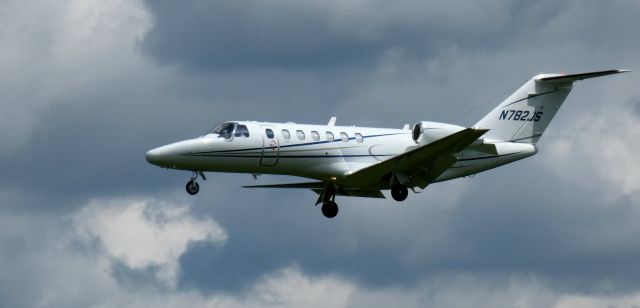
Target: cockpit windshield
[(224, 130), (227, 130)]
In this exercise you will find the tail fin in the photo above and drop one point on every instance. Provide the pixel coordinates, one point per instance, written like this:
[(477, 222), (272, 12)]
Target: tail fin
[(525, 114)]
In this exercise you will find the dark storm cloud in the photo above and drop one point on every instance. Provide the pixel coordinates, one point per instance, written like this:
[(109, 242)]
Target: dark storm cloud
[(117, 122), (538, 224), (229, 34), (319, 35), (518, 226), (378, 64)]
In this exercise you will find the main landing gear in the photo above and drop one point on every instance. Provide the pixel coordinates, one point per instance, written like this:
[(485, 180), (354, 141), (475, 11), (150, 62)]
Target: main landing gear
[(330, 209), (192, 186), (399, 192), (329, 205)]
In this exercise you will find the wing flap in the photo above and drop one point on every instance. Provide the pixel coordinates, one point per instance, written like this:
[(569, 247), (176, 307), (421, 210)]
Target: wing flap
[(427, 176)]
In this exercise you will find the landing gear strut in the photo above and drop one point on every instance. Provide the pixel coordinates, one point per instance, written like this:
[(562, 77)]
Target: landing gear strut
[(192, 186), (399, 192), (329, 206)]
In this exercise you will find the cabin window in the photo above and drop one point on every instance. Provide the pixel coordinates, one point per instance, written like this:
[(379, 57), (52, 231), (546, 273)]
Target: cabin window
[(330, 136), (359, 138), (344, 137), (300, 134), (269, 133), (285, 134), (241, 131), (315, 136)]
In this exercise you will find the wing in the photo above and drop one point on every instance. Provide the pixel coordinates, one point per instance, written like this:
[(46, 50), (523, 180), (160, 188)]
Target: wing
[(355, 192), (419, 166), (310, 185), (318, 187)]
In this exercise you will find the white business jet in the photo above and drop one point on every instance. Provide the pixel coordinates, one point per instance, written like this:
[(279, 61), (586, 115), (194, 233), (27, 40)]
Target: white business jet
[(363, 161)]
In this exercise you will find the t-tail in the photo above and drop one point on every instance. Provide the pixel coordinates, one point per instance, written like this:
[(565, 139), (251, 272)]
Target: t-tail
[(525, 114)]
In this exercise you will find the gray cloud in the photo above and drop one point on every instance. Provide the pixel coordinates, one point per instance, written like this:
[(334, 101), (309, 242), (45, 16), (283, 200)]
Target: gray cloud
[(311, 35), (511, 227), (636, 107), (86, 104)]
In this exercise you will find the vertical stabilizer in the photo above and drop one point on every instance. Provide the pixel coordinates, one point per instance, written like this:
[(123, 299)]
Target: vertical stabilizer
[(526, 113)]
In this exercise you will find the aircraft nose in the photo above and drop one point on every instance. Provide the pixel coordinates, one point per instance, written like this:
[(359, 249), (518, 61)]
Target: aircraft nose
[(169, 156), (154, 156), (162, 156)]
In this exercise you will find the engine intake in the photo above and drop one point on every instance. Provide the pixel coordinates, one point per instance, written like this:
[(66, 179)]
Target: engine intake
[(416, 131)]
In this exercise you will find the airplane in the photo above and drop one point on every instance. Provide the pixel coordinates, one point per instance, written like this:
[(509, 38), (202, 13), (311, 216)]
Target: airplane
[(364, 161)]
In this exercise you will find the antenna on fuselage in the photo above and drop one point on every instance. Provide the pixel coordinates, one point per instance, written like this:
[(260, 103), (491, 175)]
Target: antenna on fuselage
[(332, 121)]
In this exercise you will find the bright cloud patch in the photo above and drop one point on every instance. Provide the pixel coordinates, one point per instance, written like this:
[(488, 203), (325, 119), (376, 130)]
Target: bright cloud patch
[(599, 149), (145, 232), (50, 52)]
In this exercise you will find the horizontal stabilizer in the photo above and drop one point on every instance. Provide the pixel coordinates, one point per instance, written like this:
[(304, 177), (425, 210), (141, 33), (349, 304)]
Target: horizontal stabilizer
[(581, 76)]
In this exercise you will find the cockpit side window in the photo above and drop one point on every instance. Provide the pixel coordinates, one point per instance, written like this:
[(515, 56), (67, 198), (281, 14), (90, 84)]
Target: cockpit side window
[(224, 130), (241, 131)]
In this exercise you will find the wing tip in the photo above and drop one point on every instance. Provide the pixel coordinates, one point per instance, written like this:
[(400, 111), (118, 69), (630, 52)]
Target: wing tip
[(480, 131)]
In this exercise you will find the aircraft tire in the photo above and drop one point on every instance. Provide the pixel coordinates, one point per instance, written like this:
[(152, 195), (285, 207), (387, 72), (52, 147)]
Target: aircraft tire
[(399, 192), (329, 209), (192, 187)]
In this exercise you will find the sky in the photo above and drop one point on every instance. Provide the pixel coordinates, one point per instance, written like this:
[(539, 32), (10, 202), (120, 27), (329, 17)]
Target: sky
[(87, 87)]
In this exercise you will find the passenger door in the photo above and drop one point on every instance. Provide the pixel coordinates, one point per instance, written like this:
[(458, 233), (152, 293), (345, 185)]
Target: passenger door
[(270, 147)]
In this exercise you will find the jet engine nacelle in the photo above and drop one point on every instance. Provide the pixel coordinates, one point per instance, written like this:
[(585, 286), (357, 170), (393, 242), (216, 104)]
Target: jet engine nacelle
[(426, 132)]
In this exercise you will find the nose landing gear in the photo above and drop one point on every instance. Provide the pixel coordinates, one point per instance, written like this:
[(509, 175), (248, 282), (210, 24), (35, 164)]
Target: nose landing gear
[(192, 186)]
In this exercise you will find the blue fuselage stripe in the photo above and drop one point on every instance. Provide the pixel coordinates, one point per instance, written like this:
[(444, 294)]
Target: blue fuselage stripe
[(293, 145), (285, 156)]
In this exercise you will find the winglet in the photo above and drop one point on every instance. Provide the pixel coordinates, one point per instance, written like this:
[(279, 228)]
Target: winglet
[(332, 121)]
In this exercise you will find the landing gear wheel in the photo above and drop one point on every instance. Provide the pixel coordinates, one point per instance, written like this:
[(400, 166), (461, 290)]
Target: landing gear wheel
[(329, 209), (193, 187), (399, 192)]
